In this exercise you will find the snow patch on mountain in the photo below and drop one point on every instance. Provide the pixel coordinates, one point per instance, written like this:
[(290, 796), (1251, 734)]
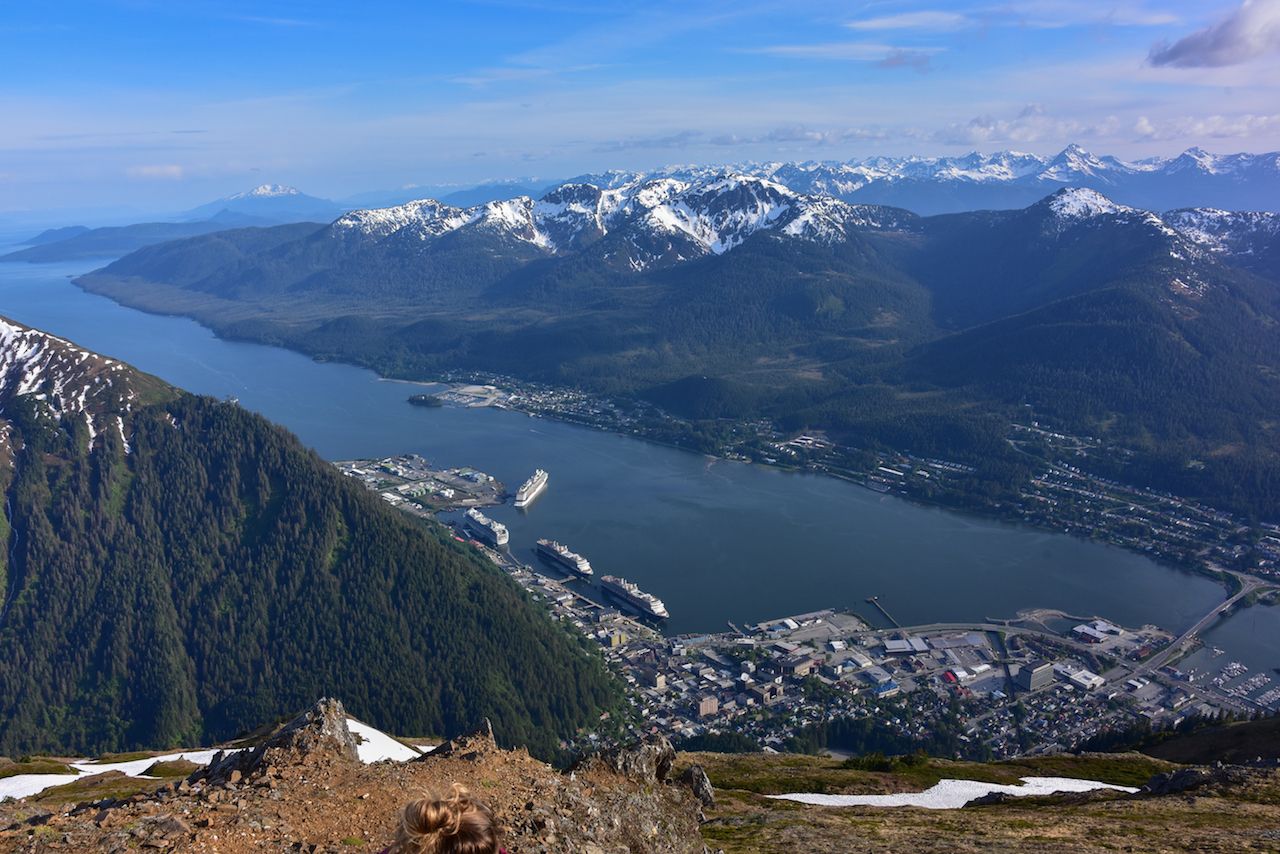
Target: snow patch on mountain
[(68, 381), (1224, 231)]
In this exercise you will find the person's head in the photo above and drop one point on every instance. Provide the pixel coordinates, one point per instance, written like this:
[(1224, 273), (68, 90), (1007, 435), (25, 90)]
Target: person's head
[(457, 824)]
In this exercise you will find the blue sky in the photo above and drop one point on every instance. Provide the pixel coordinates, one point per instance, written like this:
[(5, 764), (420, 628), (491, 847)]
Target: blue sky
[(142, 105)]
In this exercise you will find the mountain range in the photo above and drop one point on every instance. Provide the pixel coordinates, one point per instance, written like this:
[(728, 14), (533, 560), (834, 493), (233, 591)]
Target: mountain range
[(178, 570), (733, 295), (1013, 179), (924, 185)]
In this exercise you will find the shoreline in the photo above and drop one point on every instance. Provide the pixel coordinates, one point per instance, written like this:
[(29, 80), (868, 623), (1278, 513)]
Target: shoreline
[(975, 511)]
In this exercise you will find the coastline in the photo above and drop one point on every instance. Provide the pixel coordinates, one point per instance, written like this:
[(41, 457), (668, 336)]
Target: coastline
[(974, 508)]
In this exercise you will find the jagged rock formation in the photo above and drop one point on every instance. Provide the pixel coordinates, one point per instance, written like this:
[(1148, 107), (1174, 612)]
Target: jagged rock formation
[(321, 733), (304, 789)]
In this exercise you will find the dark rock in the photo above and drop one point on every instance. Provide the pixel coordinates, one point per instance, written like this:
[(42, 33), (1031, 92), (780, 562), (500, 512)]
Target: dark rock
[(646, 761), (170, 826), (696, 779), (1185, 779), (471, 747)]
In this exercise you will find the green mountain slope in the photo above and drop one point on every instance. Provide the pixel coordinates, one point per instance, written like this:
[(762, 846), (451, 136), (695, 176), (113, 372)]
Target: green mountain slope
[(926, 335), (179, 570)]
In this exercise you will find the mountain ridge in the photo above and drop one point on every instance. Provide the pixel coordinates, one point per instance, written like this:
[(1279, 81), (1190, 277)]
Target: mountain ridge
[(177, 569), (714, 278)]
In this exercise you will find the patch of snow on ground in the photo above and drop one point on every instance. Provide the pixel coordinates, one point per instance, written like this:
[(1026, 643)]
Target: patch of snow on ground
[(953, 794), (376, 745), (25, 785)]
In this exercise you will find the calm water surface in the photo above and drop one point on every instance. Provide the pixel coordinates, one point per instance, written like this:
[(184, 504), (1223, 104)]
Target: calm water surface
[(716, 540)]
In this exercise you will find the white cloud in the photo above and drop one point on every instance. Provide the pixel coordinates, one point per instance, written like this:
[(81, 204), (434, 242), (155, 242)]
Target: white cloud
[(1205, 127), (912, 21), (169, 171), (1249, 32), (1031, 125)]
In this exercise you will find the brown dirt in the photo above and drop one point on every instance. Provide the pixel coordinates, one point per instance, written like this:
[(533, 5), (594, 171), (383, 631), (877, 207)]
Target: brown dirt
[(326, 802)]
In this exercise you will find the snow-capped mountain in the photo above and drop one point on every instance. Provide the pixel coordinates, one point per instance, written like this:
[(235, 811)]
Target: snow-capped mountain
[(650, 220), (1073, 206), (266, 191), (267, 204), (1011, 179)]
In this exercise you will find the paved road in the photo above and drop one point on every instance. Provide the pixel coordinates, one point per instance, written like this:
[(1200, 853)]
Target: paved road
[(1248, 585)]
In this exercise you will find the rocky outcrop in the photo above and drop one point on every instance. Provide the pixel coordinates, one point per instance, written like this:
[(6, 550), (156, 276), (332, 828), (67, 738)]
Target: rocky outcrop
[(649, 760), (1187, 779), (317, 735), (695, 777)]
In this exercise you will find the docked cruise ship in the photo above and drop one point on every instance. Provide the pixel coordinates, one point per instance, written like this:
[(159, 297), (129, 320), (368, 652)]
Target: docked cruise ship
[(491, 532), (531, 489), (647, 603), (561, 556)]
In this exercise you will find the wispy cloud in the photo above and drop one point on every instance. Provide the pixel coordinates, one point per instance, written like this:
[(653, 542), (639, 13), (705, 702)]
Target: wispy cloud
[(915, 59), (846, 51), (164, 171), (912, 21), (680, 139), (801, 134), (1249, 32), (1059, 14)]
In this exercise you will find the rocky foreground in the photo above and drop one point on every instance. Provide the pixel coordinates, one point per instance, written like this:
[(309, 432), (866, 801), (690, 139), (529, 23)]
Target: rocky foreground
[(303, 788)]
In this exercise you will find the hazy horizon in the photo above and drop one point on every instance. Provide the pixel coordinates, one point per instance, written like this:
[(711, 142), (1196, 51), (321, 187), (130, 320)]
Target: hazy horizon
[(117, 106)]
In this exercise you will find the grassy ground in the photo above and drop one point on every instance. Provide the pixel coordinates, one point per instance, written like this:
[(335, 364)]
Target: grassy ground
[(1245, 818), (171, 769), (778, 774), (112, 784), (9, 768)]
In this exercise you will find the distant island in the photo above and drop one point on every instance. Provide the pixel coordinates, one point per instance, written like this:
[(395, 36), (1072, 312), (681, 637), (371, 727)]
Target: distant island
[(428, 400)]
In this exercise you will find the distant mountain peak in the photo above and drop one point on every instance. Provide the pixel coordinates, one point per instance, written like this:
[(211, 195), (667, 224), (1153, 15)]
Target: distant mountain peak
[(266, 191)]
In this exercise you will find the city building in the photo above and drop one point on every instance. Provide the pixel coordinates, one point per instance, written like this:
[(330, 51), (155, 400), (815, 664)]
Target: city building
[(1034, 675)]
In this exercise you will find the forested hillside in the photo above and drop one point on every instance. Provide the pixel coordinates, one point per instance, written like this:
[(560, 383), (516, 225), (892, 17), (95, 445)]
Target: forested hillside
[(1153, 332), (179, 570)]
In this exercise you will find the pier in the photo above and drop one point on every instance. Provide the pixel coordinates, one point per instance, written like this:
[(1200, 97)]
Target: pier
[(875, 600)]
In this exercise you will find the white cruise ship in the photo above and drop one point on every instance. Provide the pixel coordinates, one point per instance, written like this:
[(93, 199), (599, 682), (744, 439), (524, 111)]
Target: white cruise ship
[(531, 488), (647, 603), (491, 532), (561, 556)]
